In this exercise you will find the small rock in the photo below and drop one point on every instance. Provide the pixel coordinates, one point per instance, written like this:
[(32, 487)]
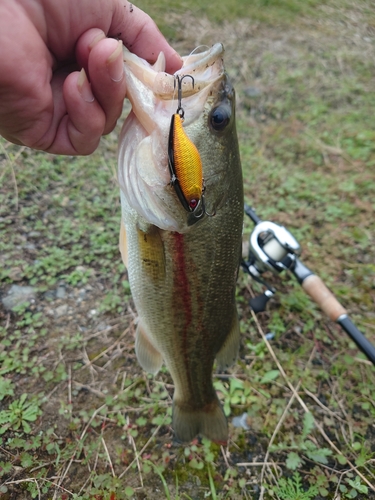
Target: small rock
[(241, 422), (80, 294), (50, 295), (17, 295), (61, 310), (60, 292), (15, 274), (252, 92), (29, 246)]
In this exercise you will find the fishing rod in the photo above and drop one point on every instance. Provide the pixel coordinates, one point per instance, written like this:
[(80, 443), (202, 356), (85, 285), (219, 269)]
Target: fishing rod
[(273, 248)]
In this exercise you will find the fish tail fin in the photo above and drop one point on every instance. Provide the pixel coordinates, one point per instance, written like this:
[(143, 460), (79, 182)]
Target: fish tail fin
[(229, 350), (208, 421), (148, 356)]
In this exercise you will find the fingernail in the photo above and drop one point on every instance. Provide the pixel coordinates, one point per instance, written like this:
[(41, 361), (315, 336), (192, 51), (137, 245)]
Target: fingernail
[(97, 38), (115, 64), (84, 87)]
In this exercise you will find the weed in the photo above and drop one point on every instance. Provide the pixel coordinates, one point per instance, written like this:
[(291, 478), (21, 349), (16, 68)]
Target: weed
[(212, 484), (302, 445), (159, 473), (19, 413), (6, 387), (292, 489), (237, 392), (354, 487)]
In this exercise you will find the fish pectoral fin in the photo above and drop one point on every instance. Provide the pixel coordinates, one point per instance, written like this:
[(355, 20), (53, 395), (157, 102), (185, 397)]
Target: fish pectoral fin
[(208, 421), (148, 356), (229, 350), (122, 244)]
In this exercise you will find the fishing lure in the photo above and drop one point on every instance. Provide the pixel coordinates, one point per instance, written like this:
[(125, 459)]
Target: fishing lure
[(185, 164)]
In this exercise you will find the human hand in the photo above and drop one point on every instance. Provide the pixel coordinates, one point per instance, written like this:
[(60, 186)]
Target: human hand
[(45, 101)]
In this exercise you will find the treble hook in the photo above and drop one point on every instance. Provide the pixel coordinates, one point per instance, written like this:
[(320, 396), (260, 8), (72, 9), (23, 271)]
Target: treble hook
[(202, 206), (180, 111)]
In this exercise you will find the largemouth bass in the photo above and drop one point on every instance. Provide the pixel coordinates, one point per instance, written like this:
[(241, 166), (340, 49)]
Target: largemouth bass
[(183, 265)]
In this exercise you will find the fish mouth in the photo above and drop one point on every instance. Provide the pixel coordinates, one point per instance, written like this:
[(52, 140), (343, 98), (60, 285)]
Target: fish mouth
[(144, 175), (206, 67)]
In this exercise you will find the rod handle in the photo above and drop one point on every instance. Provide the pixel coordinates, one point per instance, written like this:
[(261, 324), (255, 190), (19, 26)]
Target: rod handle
[(325, 299)]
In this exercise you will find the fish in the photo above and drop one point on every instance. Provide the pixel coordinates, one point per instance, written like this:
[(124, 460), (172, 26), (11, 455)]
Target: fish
[(182, 264)]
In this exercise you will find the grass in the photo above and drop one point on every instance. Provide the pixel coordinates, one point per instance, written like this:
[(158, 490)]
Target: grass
[(79, 419), (170, 17)]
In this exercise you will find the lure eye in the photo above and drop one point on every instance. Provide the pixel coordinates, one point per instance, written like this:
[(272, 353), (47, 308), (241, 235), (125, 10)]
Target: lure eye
[(193, 203), (220, 117)]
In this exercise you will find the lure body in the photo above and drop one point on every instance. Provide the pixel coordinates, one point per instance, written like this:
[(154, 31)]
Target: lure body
[(185, 166)]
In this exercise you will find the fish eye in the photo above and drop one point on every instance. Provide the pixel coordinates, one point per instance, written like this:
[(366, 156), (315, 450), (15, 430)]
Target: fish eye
[(220, 117)]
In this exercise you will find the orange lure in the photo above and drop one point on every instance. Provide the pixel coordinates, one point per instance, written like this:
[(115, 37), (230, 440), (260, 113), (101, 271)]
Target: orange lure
[(185, 163)]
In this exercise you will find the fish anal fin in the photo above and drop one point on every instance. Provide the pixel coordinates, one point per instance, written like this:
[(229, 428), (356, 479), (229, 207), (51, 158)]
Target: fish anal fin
[(229, 350), (151, 250), (148, 356), (209, 421), (122, 245)]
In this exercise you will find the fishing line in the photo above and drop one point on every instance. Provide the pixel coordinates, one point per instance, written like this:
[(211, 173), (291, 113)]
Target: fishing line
[(197, 50)]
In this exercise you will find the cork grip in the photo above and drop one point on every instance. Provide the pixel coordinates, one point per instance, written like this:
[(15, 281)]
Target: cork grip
[(320, 294)]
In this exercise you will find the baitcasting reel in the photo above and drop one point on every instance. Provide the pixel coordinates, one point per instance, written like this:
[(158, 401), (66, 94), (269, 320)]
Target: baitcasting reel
[(273, 248)]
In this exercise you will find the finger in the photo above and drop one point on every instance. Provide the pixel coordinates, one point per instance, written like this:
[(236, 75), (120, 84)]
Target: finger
[(102, 57), (79, 126), (141, 35), (85, 43), (106, 73)]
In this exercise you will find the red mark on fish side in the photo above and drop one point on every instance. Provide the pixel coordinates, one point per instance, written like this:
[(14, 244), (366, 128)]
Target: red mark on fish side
[(182, 291), (180, 278)]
